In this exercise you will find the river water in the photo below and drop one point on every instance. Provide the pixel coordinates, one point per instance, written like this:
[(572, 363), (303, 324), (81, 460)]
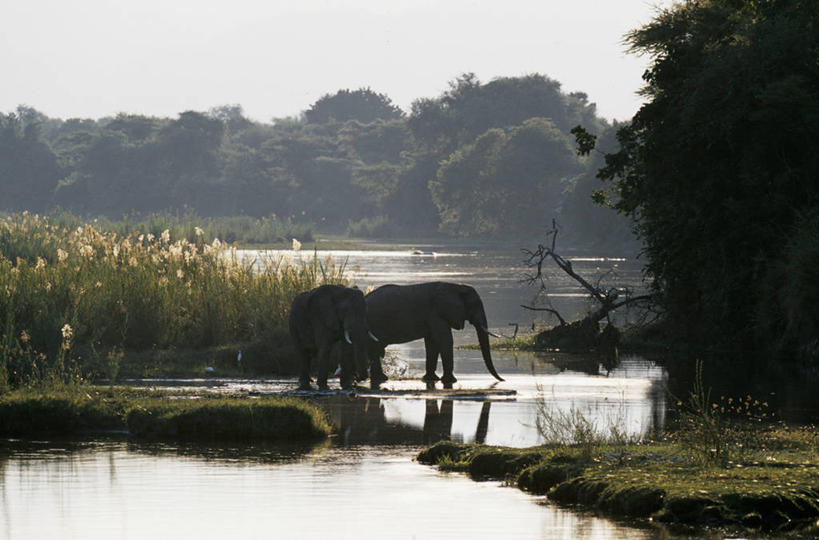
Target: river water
[(364, 483)]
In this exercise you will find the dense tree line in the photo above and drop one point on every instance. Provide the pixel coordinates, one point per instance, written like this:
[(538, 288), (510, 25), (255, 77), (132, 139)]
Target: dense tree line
[(720, 170), (482, 159)]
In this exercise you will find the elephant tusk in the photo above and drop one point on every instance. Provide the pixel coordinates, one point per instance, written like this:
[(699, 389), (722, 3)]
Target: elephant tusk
[(372, 336), (347, 337), (490, 333)]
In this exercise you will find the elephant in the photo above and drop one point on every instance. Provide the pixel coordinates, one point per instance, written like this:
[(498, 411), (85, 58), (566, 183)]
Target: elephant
[(401, 313), (326, 316)]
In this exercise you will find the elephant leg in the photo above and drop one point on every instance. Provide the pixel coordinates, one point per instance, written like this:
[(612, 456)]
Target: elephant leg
[(323, 366), (304, 377), (442, 336), (432, 360), (376, 354)]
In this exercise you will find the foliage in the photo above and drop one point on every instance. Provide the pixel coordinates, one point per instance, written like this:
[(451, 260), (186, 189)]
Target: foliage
[(505, 181), (721, 431), (65, 289), (791, 292), (353, 157), (717, 165), (29, 171), (362, 105)]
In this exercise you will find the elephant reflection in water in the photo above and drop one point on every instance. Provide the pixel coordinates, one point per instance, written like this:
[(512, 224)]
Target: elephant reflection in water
[(438, 422), (363, 421)]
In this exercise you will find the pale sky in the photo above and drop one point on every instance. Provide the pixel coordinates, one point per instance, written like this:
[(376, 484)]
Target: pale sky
[(95, 58)]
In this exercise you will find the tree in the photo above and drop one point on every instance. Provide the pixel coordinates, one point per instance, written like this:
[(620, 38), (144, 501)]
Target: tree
[(505, 182), (363, 105), (519, 177), (720, 161), (29, 171)]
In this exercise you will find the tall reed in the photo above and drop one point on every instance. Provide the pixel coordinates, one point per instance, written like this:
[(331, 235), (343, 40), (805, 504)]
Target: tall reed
[(245, 230), (62, 288)]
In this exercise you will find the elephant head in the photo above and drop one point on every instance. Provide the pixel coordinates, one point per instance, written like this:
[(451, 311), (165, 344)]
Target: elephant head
[(457, 304), (341, 313)]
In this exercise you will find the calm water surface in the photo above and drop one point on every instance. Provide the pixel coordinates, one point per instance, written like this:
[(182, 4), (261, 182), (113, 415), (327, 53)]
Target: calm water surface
[(364, 483)]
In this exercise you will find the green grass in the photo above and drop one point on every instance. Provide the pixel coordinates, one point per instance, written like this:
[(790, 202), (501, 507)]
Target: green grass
[(518, 343), (77, 302), (774, 487), (276, 419), (153, 415)]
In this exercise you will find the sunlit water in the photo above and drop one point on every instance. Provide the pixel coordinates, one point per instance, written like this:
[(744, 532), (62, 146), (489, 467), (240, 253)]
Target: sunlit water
[(364, 483), (120, 490), (496, 273)]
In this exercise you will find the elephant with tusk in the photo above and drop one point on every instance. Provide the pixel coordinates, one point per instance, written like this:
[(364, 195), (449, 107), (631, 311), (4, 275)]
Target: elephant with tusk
[(324, 317), (402, 313)]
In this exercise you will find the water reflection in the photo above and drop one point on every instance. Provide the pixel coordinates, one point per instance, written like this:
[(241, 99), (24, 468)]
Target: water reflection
[(364, 483), (121, 490), (629, 398)]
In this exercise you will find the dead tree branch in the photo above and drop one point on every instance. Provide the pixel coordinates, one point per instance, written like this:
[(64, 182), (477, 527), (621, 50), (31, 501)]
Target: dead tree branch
[(550, 310), (608, 299)]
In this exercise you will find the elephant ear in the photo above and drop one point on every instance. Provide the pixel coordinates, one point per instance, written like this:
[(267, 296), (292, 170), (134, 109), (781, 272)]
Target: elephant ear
[(449, 305), (323, 308)]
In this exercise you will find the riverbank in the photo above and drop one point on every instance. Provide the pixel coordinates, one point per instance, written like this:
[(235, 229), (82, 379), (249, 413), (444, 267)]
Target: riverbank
[(147, 414), (771, 487)]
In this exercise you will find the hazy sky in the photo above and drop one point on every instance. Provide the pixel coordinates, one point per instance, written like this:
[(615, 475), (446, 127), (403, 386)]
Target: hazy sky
[(93, 58)]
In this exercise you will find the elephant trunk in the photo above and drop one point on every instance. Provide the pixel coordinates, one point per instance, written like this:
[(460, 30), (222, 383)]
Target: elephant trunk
[(483, 339), (361, 361)]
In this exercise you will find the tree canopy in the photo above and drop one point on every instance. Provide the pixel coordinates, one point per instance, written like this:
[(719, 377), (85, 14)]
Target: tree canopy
[(719, 167), (363, 105), (488, 159)]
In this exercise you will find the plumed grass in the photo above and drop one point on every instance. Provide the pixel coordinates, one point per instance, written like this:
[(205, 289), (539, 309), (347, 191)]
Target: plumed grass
[(242, 230), (85, 289)]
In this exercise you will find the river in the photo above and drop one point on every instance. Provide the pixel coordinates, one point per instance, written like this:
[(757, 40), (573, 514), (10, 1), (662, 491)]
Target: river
[(364, 483)]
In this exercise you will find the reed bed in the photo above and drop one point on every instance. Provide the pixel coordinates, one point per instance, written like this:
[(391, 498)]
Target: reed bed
[(242, 230), (66, 291)]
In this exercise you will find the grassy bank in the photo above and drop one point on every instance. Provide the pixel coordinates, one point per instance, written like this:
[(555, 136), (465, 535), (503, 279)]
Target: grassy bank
[(76, 302), (151, 415), (773, 486)]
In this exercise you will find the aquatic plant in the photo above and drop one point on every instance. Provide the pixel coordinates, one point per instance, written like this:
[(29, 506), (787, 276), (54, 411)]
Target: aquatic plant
[(580, 429), (241, 230), (773, 489), (719, 431), (285, 419), (150, 414), (71, 297)]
